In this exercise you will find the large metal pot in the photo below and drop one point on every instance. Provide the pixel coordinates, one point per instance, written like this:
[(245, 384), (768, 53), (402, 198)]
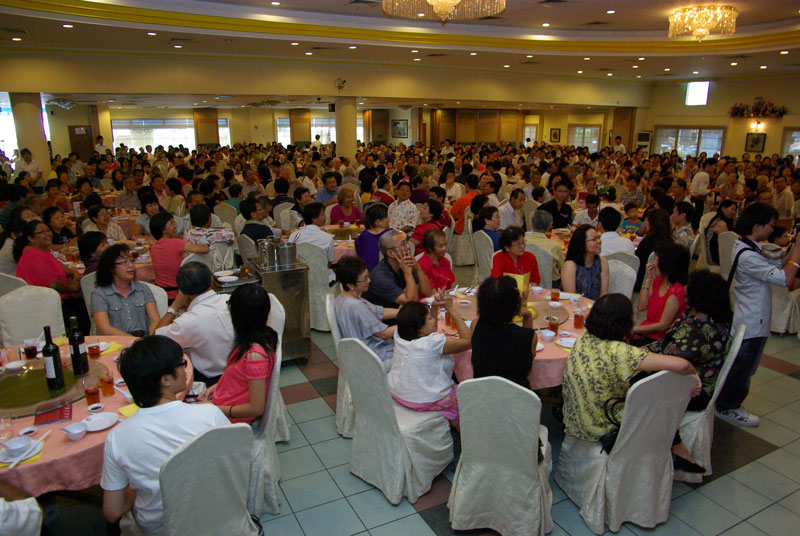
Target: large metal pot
[(287, 254)]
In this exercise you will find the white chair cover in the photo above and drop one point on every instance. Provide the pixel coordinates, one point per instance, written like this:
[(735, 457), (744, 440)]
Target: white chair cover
[(484, 251), (277, 214), (107, 184), (88, 286), (26, 310), (345, 411), (186, 189), (701, 245), (203, 484), (785, 310), (226, 214), (634, 482), (277, 321), (263, 495), (269, 189), (528, 208), (697, 427), (219, 258), (503, 192), (621, 277), (448, 232), (351, 181), (544, 259), (395, 449), (162, 301), (328, 210), (726, 241), (499, 482), (247, 248), (627, 258), (318, 283), (9, 283), (693, 247), (461, 244)]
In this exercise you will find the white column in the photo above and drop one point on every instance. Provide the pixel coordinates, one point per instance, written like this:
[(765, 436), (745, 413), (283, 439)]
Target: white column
[(27, 111), (346, 127)]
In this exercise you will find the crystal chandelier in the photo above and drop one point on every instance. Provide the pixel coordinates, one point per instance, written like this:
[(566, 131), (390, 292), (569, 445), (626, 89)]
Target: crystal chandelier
[(702, 21), (443, 11)]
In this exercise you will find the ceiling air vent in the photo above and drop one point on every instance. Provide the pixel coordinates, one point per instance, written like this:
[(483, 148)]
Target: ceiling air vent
[(436, 55), (596, 23)]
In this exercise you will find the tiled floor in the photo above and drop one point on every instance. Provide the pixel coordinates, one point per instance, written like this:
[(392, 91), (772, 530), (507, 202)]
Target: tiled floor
[(755, 488)]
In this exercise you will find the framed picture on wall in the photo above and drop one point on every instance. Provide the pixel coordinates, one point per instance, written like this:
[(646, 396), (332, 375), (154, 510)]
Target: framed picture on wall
[(555, 135), (399, 128), (754, 143)]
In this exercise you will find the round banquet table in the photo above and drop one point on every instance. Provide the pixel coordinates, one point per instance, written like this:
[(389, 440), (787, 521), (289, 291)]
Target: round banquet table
[(341, 248), (64, 464), (126, 223), (548, 364), (343, 233)]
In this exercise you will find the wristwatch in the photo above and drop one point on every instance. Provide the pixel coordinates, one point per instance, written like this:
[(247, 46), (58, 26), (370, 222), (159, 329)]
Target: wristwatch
[(172, 311)]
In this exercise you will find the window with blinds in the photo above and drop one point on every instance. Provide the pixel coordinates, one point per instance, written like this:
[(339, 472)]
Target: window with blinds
[(142, 132), (688, 141), (284, 130), (530, 131), (325, 127), (584, 136)]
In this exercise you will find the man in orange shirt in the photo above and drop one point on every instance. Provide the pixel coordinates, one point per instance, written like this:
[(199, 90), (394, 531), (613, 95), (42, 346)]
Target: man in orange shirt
[(461, 204)]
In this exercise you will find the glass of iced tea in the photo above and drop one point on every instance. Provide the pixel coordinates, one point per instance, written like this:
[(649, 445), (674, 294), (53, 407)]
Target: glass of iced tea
[(91, 391), (555, 295), (107, 384), (578, 317), (552, 323), (94, 351)]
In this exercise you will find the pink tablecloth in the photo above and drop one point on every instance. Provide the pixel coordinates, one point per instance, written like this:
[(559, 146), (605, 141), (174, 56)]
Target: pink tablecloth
[(342, 250), (126, 222), (68, 465), (548, 365)]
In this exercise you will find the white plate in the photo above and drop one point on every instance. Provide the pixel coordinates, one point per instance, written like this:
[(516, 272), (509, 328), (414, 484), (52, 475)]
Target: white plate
[(5, 457), (566, 342), (143, 260), (539, 346), (228, 279), (101, 421), (554, 304), (28, 430), (568, 295), (223, 273), (119, 382), (15, 365)]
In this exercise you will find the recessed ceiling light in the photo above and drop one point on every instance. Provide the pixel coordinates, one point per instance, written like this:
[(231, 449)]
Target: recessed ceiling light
[(16, 39), (420, 14), (695, 72), (545, 25), (635, 66), (506, 66), (580, 72), (425, 104), (458, 102), (667, 69), (294, 43), (216, 98), (586, 59), (734, 64), (205, 101), (473, 53), (784, 52), (178, 46), (151, 33), (275, 3), (414, 50), (641, 59), (417, 59), (610, 74), (352, 47), (110, 100), (638, 76), (610, 11), (529, 56), (67, 26), (309, 53), (194, 104), (763, 66)]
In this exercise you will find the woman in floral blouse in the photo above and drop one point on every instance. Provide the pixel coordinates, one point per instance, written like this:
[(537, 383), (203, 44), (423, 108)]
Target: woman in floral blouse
[(702, 334)]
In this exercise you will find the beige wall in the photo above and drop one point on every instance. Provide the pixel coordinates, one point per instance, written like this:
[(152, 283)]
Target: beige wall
[(59, 119), (562, 120), (397, 114)]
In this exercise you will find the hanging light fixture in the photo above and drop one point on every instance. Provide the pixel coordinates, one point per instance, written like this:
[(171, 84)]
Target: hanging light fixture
[(443, 11), (702, 21)]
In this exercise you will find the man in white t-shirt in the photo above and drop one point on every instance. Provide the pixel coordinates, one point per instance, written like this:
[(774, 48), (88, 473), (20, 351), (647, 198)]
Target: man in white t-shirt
[(607, 223), (100, 146), (154, 370), (619, 147), (27, 163)]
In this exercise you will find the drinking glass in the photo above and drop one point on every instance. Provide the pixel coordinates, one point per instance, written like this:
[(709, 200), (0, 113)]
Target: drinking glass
[(578, 318), (29, 347), (91, 390), (555, 295), (94, 351), (5, 426)]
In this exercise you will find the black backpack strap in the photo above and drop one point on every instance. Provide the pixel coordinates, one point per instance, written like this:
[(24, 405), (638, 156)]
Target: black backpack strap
[(751, 247)]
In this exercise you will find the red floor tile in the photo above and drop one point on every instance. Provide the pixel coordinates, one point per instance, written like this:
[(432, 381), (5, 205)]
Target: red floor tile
[(317, 356), (331, 400), (438, 494), (778, 365), (320, 370), (298, 393)]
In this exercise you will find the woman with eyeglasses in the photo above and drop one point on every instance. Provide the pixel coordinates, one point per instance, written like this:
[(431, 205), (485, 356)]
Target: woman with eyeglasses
[(37, 266), (121, 305), (585, 271), (241, 392), (512, 257)]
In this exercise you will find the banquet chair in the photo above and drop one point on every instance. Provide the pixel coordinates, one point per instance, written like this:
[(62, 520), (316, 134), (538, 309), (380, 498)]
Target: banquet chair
[(693, 247), (785, 310), (19, 320), (88, 286), (186, 189), (265, 473), (461, 244), (499, 482), (352, 186), (351, 181), (219, 258), (345, 412), (160, 295), (628, 258), (269, 189), (448, 233), (697, 427), (397, 450), (545, 261), (484, 250), (701, 250), (634, 482), (277, 214), (203, 484), (106, 184), (503, 193), (328, 210), (726, 242), (247, 248), (226, 214), (528, 208), (318, 282), (9, 283), (621, 277)]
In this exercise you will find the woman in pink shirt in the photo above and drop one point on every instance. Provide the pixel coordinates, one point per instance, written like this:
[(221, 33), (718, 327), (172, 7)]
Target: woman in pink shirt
[(663, 293), (167, 251), (344, 210), (241, 392), (433, 262)]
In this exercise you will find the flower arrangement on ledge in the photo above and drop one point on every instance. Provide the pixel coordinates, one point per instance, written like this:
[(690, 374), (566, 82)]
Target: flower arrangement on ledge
[(759, 109)]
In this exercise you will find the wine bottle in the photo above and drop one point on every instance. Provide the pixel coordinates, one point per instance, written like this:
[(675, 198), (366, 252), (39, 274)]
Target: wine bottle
[(77, 348), (52, 363)]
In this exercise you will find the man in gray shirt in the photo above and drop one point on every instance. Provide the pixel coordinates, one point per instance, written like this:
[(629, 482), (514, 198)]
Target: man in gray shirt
[(754, 274)]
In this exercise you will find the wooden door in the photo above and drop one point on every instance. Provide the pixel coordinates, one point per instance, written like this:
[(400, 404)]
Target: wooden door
[(81, 141)]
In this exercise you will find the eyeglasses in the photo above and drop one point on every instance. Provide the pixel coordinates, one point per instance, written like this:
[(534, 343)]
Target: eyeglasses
[(518, 245)]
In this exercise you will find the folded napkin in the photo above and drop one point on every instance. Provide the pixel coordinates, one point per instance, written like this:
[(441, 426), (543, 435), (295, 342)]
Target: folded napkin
[(129, 410), (32, 459), (113, 347)]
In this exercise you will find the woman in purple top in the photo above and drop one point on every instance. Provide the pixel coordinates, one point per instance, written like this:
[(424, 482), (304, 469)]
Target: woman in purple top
[(376, 222)]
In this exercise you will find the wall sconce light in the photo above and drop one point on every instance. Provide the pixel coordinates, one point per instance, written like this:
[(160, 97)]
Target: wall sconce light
[(756, 126)]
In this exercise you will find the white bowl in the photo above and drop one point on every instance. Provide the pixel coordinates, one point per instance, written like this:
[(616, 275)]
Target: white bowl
[(347, 224), (536, 290), (554, 304), (18, 445), (546, 335), (75, 431)]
